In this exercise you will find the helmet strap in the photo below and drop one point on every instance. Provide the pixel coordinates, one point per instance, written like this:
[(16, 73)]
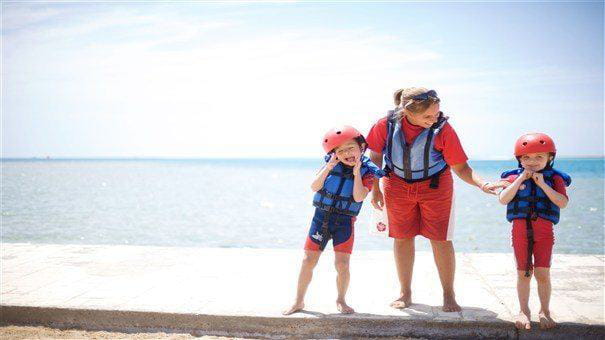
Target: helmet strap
[(551, 162)]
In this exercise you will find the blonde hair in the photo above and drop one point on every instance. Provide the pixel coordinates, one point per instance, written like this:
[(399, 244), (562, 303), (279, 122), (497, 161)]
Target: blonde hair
[(404, 102)]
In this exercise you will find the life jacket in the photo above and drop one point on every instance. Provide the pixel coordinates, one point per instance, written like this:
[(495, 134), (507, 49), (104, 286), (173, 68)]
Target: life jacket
[(336, 195), (418, 161), (531, 201)]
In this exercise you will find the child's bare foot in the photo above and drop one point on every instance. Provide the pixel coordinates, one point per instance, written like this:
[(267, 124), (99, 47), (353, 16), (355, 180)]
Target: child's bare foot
[(546, 321), (522, 320), (296, 307), (404, 301), (450, 304), (344, 308)]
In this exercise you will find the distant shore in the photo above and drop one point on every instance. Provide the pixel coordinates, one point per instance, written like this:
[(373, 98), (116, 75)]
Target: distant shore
[(155, 158)]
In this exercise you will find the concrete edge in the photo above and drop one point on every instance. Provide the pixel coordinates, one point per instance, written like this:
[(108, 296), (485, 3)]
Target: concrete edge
[(281, 327)]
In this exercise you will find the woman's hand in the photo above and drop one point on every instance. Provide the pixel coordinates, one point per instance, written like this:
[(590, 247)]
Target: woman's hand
[(377, 199), (490, 187)]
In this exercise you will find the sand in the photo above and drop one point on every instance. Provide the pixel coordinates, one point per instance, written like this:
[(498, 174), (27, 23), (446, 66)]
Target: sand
[(29, 332)]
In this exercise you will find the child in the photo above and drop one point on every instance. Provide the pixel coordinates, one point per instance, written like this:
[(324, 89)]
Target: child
[(340, 188), (534, 199)]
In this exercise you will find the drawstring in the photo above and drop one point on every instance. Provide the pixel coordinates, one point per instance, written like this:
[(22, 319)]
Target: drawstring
[(411, 191)]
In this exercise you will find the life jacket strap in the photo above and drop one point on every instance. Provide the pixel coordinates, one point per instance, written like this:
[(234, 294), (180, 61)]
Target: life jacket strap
[(532, 199), (347, 175), (332, 210), (530, 245), (530, 211), (402, 170), (407, 166), (434, 179), (427, 154), (334, 197)]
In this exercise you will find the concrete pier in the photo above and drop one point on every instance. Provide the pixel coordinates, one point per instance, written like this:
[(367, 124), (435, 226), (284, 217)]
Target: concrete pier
[(241, 292)]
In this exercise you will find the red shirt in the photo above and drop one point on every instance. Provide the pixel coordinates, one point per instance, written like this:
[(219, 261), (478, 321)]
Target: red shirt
[(558, 183), (447, 141)]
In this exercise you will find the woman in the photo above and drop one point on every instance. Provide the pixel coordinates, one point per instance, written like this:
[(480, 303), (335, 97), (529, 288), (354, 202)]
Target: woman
[(419, 147)]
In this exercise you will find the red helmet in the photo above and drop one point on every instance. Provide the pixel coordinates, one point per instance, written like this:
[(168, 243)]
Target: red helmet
[(337, 136), (534, 142)]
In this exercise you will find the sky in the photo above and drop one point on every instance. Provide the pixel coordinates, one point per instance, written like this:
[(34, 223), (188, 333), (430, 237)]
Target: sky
[(231, 80)]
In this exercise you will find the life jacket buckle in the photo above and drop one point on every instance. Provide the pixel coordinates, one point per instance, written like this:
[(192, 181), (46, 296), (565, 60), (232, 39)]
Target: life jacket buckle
[(387, 171), (434, 184)]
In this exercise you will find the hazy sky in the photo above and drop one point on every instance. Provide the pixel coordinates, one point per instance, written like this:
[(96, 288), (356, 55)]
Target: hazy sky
[(267, 80)]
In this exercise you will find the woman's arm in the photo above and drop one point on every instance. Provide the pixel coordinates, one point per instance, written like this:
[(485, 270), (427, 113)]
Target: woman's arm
[(467, 174)]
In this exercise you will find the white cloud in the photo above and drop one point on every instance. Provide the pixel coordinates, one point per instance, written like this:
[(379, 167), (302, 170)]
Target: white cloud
[(16, 16), (166, 85)]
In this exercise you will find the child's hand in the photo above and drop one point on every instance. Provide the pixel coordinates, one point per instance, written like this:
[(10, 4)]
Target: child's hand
[(526, 174), (332, 162), (357, 167), (539, 179)]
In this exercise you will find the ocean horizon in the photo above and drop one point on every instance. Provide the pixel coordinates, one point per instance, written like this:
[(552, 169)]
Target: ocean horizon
[(245, 202), (75, 158)]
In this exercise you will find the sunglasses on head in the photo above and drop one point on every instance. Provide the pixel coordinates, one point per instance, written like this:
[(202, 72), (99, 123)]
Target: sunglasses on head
[(426, 95)]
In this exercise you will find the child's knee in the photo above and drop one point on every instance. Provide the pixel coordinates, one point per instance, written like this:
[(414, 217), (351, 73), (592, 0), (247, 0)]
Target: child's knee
[(309, 260), (542, 276), (342, 265), (522, 275)]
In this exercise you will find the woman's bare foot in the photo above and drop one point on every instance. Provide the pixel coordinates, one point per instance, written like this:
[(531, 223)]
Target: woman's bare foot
[(522, 320), (546, 321), (344, 308), (296, 307), (450, 304), (404, 301)]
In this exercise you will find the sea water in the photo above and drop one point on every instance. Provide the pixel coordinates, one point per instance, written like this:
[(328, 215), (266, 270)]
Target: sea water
[(254, 203)]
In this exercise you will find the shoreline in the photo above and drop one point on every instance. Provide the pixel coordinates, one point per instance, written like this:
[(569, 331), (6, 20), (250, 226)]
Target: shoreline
[(355, 251)]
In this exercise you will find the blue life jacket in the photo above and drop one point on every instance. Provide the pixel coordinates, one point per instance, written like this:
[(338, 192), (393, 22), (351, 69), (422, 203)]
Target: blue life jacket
[(416, 162), (531, 201), (336, 195)]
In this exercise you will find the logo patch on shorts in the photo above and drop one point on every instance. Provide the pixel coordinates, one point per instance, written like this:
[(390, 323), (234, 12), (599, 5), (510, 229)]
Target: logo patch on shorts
[(317, 236)]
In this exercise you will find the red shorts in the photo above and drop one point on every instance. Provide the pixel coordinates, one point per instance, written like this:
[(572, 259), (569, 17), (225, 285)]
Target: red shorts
[(544, 240), (416, 209)]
